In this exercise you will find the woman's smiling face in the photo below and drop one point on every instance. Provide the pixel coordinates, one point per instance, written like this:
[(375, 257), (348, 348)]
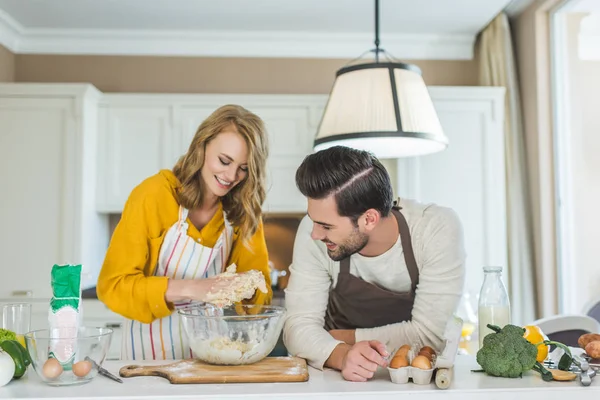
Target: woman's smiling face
[(225, 162)]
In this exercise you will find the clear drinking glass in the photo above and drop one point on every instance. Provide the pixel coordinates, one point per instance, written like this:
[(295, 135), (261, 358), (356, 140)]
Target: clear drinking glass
[(467, 311), (494, 304), (16, 317)]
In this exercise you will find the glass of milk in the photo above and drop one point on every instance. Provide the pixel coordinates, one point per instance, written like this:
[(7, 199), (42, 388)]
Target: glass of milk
[(494, 305)]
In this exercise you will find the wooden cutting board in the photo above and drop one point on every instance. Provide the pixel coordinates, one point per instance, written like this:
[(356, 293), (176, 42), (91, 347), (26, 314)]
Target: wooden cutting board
[(270, 369)]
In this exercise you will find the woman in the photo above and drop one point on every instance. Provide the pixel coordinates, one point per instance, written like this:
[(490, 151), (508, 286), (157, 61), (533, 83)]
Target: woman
[(180, 228)]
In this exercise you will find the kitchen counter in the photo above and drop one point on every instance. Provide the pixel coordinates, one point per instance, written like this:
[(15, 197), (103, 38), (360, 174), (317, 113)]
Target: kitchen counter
[(321, 385)]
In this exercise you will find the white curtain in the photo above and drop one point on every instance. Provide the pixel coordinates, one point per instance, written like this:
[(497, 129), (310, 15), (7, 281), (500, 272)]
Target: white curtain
[(497, 67)]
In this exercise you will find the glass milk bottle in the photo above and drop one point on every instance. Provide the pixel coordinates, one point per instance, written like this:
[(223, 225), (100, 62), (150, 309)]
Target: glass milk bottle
[(494, 305)]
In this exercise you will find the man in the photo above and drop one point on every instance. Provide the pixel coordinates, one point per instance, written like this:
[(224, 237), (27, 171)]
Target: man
[(367, 277)]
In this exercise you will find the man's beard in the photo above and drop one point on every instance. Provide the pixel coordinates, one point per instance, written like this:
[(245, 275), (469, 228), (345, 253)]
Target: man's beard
[(355, 243)]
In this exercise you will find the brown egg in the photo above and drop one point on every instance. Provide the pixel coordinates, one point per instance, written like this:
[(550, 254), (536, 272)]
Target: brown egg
[(52, 368), (82, 368), (421, 362), (402, 351), (428, 349), (399, 362), (426, 354)]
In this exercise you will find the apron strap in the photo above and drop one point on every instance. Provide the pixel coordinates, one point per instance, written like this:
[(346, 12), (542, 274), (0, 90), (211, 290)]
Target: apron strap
[(407, 249), (345, 266), (183, 214)]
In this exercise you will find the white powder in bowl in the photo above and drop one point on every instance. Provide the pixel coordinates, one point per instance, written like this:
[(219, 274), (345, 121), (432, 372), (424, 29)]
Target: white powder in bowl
[(224, 351)]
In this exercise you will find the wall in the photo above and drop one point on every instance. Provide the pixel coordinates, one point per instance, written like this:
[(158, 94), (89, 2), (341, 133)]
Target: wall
[(531, 35), (212, 75), (7, 65), (218, 75), (584, 101), (222, 75)]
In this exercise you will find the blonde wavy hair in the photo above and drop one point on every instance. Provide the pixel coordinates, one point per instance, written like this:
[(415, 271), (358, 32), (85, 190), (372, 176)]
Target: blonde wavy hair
[(243, 203)]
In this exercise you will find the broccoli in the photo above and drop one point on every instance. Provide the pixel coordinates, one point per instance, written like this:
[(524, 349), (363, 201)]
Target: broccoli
[(5, 334), (507, 353)]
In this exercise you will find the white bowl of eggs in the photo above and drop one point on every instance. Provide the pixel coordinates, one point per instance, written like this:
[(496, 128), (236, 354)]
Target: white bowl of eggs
[(62, 358)]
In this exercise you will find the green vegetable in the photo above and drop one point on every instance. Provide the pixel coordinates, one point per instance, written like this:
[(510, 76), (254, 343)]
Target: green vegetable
[(5, 334), (506, 353), (19, 355), (566, 360), (546, 375)]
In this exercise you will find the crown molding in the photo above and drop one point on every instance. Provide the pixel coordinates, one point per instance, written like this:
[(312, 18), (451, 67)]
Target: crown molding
[(228, 43)]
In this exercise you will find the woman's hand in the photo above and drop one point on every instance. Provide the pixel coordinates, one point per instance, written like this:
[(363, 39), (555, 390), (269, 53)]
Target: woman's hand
[(196, 289), (219, 290)]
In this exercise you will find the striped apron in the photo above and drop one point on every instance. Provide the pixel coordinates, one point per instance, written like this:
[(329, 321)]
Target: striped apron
[(180, 257)]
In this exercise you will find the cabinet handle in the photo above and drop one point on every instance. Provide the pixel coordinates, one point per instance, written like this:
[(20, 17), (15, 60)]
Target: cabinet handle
[(22, 293), (112, 325)]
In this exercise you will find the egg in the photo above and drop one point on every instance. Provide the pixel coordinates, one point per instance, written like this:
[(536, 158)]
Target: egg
[(52, 368), (82, 368), (399, 362), (402, 351), (421, 362), (405, 348), (428, 349)]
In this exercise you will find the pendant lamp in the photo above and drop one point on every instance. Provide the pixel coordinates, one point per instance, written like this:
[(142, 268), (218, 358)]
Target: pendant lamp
[(381, 107)]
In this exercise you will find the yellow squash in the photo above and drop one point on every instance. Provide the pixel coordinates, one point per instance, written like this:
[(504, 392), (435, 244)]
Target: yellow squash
[(534, 335)]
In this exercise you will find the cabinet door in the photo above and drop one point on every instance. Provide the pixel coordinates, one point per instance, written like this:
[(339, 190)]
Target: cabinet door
[(468, 176), (95, 313), (290, 140), (37, 151), (135, 142)]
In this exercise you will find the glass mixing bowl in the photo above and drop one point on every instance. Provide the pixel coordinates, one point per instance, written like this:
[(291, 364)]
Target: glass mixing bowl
[(236, 335), (80, 346)]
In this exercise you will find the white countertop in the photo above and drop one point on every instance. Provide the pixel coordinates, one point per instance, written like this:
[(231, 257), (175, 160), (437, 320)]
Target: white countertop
[(328, 384)]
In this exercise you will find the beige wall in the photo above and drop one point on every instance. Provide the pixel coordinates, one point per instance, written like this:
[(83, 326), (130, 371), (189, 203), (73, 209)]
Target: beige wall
[(212, 75), (584, 102), (217, 75), (7, 65), (532, 45)]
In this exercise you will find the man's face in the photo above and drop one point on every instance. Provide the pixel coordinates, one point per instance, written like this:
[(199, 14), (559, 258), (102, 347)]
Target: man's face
[(339, 234)]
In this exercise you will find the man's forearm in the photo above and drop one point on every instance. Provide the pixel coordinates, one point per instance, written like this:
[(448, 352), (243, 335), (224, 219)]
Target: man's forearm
[(345, 335), (336, 358)]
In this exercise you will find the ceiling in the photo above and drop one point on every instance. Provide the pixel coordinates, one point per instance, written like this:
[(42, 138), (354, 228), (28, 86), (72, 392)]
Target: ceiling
[(432, 29)]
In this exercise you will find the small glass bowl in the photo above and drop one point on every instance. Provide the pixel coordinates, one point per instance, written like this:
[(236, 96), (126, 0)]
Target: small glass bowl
[(68, 360)]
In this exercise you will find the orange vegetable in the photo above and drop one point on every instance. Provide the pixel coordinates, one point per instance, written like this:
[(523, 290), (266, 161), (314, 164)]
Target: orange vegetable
[(534, 335)]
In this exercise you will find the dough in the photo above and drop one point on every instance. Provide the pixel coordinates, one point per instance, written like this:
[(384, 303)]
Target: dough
[(225, 351), (242, 287)]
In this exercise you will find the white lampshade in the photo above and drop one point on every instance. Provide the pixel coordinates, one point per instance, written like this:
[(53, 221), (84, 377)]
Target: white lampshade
[(384, 108)]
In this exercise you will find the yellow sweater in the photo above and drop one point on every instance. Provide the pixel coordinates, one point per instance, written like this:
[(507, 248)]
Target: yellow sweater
[(126, 284)]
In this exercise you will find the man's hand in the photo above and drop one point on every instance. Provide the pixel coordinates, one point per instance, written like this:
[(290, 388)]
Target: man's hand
[(362, 360), (345, 335)]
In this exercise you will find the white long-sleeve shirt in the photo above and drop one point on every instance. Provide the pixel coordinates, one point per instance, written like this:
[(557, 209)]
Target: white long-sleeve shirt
[(438, 244)]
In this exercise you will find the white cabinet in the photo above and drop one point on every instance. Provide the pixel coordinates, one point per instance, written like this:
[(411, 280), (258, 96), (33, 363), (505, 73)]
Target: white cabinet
[(140, 134), (95, 313), (469, 176), (47, 158), (133, 141)]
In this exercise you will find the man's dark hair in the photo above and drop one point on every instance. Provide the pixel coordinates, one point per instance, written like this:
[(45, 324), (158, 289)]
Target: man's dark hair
[(357, 179)]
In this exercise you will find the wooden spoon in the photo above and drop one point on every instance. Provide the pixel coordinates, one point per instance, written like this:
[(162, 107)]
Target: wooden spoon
[(560, 375)]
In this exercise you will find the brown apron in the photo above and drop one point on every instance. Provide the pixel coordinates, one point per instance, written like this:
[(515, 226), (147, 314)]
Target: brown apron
[(355, 303)]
